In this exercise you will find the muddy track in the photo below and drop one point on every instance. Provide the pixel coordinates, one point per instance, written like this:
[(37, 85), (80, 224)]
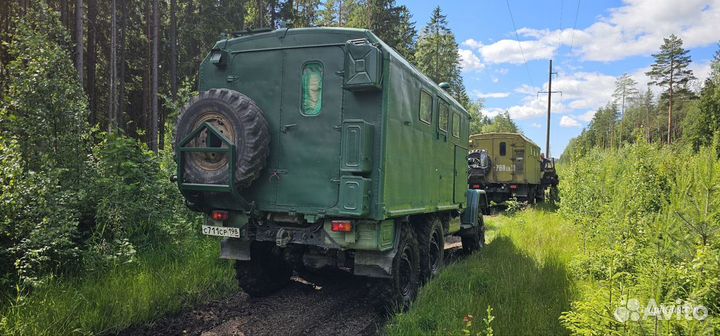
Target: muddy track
[(335, 304)]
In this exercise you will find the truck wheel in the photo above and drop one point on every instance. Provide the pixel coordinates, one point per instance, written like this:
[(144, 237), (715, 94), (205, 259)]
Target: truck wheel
[(431, 239), (396, 293), (265, 273), (237, 118), (473, 239)]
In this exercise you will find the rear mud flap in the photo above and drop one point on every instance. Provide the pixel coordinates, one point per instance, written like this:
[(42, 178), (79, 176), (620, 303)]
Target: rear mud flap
[(236, 249), (376, 264)]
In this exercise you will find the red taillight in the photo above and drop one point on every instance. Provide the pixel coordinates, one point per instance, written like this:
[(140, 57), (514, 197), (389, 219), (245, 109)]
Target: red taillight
[(476, 186), (219, 215), (341, 226), (513, 186)]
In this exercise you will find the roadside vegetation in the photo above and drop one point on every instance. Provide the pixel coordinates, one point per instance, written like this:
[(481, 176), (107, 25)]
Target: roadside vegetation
[(160, 281), (519, 284), (649, 221)]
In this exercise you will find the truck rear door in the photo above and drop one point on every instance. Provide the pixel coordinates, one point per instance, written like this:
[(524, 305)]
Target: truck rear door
[(308, 168)]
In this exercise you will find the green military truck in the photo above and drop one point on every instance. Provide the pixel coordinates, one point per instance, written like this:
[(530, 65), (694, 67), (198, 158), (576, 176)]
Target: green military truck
[(509, 165), (323, 147)]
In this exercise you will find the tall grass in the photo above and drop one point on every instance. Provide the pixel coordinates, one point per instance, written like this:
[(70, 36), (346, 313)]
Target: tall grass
[(159, 282), (521, 275), (650, 221)]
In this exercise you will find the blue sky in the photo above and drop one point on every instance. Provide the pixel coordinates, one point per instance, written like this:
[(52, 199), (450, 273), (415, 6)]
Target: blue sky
[(608, 39)]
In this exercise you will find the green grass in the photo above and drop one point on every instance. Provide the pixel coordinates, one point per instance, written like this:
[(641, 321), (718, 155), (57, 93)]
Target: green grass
[(159, 282), (522, 274)]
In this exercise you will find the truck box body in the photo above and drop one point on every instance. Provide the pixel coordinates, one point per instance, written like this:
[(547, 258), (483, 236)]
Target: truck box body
[(344, 113)]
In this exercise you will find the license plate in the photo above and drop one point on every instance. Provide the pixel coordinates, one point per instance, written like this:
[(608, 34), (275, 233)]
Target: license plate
[(221, 231)]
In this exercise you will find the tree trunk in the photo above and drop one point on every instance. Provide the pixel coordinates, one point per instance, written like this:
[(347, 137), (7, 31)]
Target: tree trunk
[(112, 96), (146, 120), (155, 51), (121, 62), (173, 48), (670, 103), (79, 39), (92, 59)]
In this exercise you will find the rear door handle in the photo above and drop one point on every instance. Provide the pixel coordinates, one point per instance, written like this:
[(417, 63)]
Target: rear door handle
[(285, 128)]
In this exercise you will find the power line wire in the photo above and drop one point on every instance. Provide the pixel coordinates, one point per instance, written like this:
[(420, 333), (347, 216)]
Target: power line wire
[(572, 34), (517, 39)]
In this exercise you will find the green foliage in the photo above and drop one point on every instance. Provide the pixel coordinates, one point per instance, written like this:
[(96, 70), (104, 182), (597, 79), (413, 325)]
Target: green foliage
[(500, 123), (135, 203), (39, 222), (650, 222), (671, 65), (161, 281), (64, 206), (522, 274), (436, 55), (44, 107)]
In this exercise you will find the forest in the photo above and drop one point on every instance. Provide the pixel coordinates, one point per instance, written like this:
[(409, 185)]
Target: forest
[(91, 226)]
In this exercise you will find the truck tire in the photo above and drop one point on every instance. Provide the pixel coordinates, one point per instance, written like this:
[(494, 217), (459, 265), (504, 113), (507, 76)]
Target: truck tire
[(396, 293), (431, 239), (265, 273), (474, 239), (240, 120)]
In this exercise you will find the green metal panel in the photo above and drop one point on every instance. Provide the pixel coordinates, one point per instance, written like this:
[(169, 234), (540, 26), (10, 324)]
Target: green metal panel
[(366, 235), (357, 139), (354, 195), (308, 167), (364, 153)]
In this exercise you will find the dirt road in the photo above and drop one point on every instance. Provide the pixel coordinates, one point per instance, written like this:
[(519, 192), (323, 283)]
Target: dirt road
[(335, 304)]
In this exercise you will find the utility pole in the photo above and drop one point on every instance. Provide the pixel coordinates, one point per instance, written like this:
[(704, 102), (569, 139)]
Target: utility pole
[(549, 105)]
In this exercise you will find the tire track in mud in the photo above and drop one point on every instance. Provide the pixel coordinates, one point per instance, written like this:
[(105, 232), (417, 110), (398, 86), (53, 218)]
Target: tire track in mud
[(336, 304)]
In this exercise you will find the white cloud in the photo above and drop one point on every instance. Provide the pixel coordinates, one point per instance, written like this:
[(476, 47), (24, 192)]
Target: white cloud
[(587, 116), (469, 61), (536, 125), (491, 94), (472, 43), (495, 80), (637, 27), (527, 89), (492, 111), (569, 122), (580, 90), (508, 51), (502, 71)]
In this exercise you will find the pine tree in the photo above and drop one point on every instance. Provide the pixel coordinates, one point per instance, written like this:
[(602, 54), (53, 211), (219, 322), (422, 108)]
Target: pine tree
[(625, 92), (670, 71), (703, 119), (436, 55), (336, 13)]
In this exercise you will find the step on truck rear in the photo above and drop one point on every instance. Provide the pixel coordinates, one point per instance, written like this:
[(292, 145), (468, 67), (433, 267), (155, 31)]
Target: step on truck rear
[(323, 147)]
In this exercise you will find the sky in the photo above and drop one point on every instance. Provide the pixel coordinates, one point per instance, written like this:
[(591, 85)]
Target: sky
[(590, 42)]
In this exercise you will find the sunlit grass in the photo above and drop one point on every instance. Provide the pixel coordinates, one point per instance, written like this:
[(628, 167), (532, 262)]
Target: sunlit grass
[(160, 282), (522, 274)]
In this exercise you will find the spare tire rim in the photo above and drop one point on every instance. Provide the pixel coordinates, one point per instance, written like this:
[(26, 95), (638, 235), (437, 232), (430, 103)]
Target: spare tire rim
[(212, 161)]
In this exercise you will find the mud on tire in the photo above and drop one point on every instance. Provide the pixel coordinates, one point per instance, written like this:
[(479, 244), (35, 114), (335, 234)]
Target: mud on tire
[(396, 293), (474, 239), (241, 121), (265, 273), (431, 240)]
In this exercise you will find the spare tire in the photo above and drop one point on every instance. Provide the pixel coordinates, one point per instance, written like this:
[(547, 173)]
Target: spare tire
[(236, 117)]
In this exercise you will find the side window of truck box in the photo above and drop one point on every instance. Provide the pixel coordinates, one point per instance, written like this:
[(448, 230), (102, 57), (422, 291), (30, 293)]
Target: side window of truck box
[(443, 117), (425, 113), (456, 125)]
